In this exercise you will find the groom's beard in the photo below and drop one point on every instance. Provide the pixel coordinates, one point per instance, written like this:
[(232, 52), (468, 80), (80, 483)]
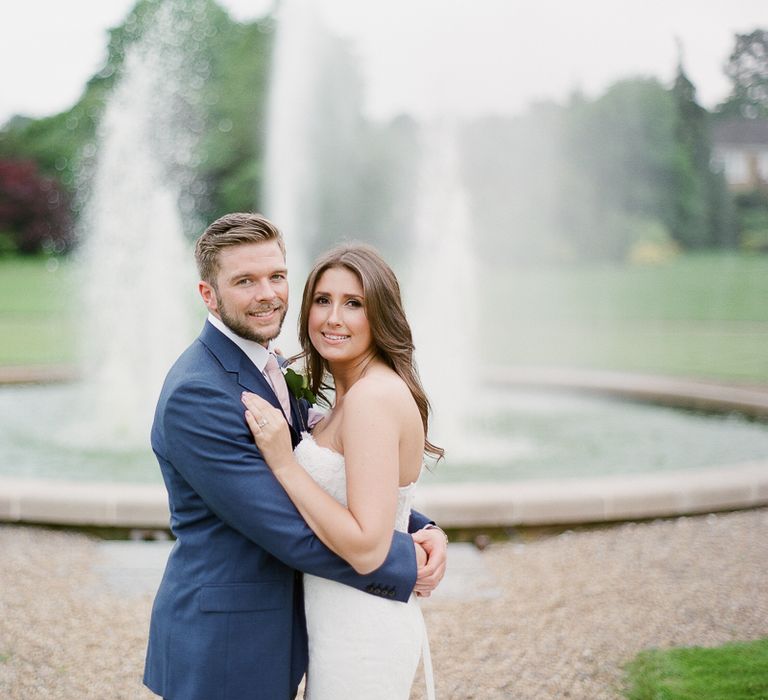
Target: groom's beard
[(237, 324)]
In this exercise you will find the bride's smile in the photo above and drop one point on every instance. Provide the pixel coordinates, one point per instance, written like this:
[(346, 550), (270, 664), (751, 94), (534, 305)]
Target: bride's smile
[(334, 338)]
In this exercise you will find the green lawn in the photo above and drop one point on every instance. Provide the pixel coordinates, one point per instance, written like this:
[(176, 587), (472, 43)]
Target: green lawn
[(37, 312), (736, 671), (698, 315)]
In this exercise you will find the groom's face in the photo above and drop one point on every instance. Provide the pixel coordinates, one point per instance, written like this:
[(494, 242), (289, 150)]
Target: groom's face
[(251, 291)]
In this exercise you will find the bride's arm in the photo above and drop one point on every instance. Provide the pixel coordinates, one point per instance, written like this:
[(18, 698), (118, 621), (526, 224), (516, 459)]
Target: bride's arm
[(362, 533)]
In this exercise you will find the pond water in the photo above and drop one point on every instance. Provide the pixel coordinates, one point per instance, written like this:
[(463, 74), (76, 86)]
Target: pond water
[(522, 435)]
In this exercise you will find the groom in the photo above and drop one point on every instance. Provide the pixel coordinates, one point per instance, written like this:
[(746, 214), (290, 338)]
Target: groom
[(228, 618)]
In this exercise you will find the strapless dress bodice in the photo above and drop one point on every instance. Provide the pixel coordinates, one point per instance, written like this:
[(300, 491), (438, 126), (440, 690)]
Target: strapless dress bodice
[(327, 468)]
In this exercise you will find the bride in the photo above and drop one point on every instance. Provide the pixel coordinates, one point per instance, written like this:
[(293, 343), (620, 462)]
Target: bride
[(353, 477)]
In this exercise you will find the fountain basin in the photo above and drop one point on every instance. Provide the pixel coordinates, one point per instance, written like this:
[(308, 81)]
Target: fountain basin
[(468, 505), (548, 501)]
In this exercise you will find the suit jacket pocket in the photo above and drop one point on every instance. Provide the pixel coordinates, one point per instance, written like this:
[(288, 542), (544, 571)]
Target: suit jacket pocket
[(243, 597)]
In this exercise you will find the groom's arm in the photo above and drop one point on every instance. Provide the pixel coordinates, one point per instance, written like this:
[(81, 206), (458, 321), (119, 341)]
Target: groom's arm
[(417, 521), (209, 443)]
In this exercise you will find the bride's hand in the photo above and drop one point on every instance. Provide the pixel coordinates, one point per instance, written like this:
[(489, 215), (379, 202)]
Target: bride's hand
[(269, 429)]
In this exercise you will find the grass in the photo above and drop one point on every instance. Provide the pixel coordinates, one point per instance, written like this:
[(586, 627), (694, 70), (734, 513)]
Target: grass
[(737, 671), (697, 315), (708, 286), (36, 312)]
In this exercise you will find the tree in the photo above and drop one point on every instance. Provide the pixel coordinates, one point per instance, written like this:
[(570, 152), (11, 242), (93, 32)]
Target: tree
[(747, 69), (699, 217), (231, 58), (623, 168), (232, 145), (34, 209)]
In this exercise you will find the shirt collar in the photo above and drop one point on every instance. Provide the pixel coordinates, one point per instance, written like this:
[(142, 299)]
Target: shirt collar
[(255, 352)]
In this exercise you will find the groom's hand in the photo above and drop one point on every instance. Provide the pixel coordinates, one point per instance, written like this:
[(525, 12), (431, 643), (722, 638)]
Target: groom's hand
[(435, 544)]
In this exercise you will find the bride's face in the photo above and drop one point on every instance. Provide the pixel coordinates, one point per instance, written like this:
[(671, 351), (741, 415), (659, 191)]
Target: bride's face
[(338, 325)]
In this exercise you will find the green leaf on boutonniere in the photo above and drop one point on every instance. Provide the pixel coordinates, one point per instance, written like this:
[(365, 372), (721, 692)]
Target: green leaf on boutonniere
[(299, 386)]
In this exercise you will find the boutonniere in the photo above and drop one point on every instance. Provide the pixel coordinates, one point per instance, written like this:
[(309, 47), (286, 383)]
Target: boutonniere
[(298, 385)]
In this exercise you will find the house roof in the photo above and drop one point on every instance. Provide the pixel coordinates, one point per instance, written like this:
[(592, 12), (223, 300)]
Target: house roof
[(736, 131)]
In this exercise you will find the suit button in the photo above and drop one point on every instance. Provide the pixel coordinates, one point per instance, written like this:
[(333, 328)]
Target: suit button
[(377, 590), (369, 588)]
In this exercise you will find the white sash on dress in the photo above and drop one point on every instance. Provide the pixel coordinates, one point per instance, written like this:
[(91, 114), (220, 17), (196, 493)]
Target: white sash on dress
[(426, 660)]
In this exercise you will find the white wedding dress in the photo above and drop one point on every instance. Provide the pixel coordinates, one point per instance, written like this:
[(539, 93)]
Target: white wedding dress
[(361, 646)]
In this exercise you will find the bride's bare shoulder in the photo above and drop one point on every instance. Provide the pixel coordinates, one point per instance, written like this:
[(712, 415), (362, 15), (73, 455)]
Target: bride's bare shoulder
[(384, 388)]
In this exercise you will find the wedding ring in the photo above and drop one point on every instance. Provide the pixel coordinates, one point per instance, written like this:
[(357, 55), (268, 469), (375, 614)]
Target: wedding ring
[(262, 422)]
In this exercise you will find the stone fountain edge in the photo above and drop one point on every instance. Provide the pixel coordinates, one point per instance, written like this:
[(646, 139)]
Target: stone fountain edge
[(464, 505)]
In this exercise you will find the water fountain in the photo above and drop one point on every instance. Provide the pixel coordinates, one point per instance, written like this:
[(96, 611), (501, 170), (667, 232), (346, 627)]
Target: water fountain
[(441, 225), (137, 273), (138, 266), (443, 312), (135, 293), (290, 177), (437, 251)]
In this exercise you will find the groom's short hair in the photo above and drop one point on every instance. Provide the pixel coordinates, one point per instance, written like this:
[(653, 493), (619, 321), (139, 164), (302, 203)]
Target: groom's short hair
[(230, 230)]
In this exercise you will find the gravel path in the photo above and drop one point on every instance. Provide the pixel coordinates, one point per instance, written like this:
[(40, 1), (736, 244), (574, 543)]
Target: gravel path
[(545, 619)]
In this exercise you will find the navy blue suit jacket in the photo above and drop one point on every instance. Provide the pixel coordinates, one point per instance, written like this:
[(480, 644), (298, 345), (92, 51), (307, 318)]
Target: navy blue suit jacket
[(228, 619)]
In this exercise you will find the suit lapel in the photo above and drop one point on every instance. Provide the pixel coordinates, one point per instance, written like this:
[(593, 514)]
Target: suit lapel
[(234, 360), (249, 378)]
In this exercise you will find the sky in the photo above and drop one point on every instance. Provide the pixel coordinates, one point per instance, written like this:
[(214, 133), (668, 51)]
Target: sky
[(467, 56)]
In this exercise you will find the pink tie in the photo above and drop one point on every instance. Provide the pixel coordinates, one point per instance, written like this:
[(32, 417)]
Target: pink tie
[(272, 370)]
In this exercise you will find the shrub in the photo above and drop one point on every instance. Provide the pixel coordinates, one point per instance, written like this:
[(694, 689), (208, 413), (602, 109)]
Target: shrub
[(34, 210)]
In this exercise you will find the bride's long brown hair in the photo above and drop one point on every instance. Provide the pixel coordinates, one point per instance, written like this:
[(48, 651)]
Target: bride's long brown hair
[(391, 333)]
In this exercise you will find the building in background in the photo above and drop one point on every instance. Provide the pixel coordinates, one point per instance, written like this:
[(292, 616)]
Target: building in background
[(740, 151)]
